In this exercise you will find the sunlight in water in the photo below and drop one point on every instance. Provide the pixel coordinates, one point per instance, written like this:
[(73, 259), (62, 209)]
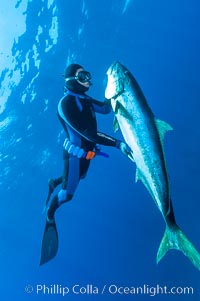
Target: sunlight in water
[(126, 5)]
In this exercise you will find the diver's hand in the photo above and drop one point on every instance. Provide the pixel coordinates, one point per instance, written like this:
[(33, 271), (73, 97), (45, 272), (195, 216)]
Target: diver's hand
[(62, 196), (107, 101), (125, 149)]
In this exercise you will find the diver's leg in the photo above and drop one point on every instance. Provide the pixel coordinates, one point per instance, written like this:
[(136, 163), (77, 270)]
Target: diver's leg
[(76, 169), (55, 204), (53, 183), (70, 180), (50, 237)]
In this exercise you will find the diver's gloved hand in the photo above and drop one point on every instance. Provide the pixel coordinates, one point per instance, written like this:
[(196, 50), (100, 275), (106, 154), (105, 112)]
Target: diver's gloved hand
[(107, 101), (62, 196), (125, 149)]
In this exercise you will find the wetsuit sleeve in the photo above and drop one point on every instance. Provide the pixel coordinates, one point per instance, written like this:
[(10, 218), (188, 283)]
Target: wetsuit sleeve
[(101, 107), (107, 140)]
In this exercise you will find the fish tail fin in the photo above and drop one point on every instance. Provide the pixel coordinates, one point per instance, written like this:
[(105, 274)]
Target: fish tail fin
[(174, 238)]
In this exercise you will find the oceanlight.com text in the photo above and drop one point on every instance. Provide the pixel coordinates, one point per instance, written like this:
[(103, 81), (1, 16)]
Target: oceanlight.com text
[(111, 289)]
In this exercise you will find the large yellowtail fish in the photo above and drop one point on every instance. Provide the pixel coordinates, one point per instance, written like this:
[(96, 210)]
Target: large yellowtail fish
[(145, 134)]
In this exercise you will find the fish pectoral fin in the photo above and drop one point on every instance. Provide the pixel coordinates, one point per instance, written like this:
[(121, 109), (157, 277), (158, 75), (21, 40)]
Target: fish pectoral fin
[(121, 110), (163, 127), (121, 91), (117, 106), (115, 124)]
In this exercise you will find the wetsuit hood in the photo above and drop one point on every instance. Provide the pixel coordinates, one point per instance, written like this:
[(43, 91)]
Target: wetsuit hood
[(72, 84)]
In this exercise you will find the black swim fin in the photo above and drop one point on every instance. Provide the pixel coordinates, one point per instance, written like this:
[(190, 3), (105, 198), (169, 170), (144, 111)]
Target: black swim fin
[(49, 242)]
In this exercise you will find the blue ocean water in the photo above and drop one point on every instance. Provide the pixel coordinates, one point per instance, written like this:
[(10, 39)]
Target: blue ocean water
[(109, 234)]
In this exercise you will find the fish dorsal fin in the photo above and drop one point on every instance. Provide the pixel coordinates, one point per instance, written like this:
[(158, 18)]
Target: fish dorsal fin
[(115, 124), (163, 127)]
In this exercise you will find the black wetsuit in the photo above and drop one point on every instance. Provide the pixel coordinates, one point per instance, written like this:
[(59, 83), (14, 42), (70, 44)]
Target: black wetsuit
[(77, 113)]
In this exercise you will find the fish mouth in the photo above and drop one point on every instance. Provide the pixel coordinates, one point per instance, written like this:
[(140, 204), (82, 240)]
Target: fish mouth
[(115, 83), (116, 80)]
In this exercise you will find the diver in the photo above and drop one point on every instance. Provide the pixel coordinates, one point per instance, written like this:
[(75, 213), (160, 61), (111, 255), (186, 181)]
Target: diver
[(77, 114)]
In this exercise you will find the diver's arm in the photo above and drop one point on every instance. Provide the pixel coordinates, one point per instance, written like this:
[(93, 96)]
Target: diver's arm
[(100, 138), (70, 113), (107, 140), (102, 107), (96, 138)]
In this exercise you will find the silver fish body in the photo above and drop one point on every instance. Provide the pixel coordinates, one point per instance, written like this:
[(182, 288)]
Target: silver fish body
[(144, 134)]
